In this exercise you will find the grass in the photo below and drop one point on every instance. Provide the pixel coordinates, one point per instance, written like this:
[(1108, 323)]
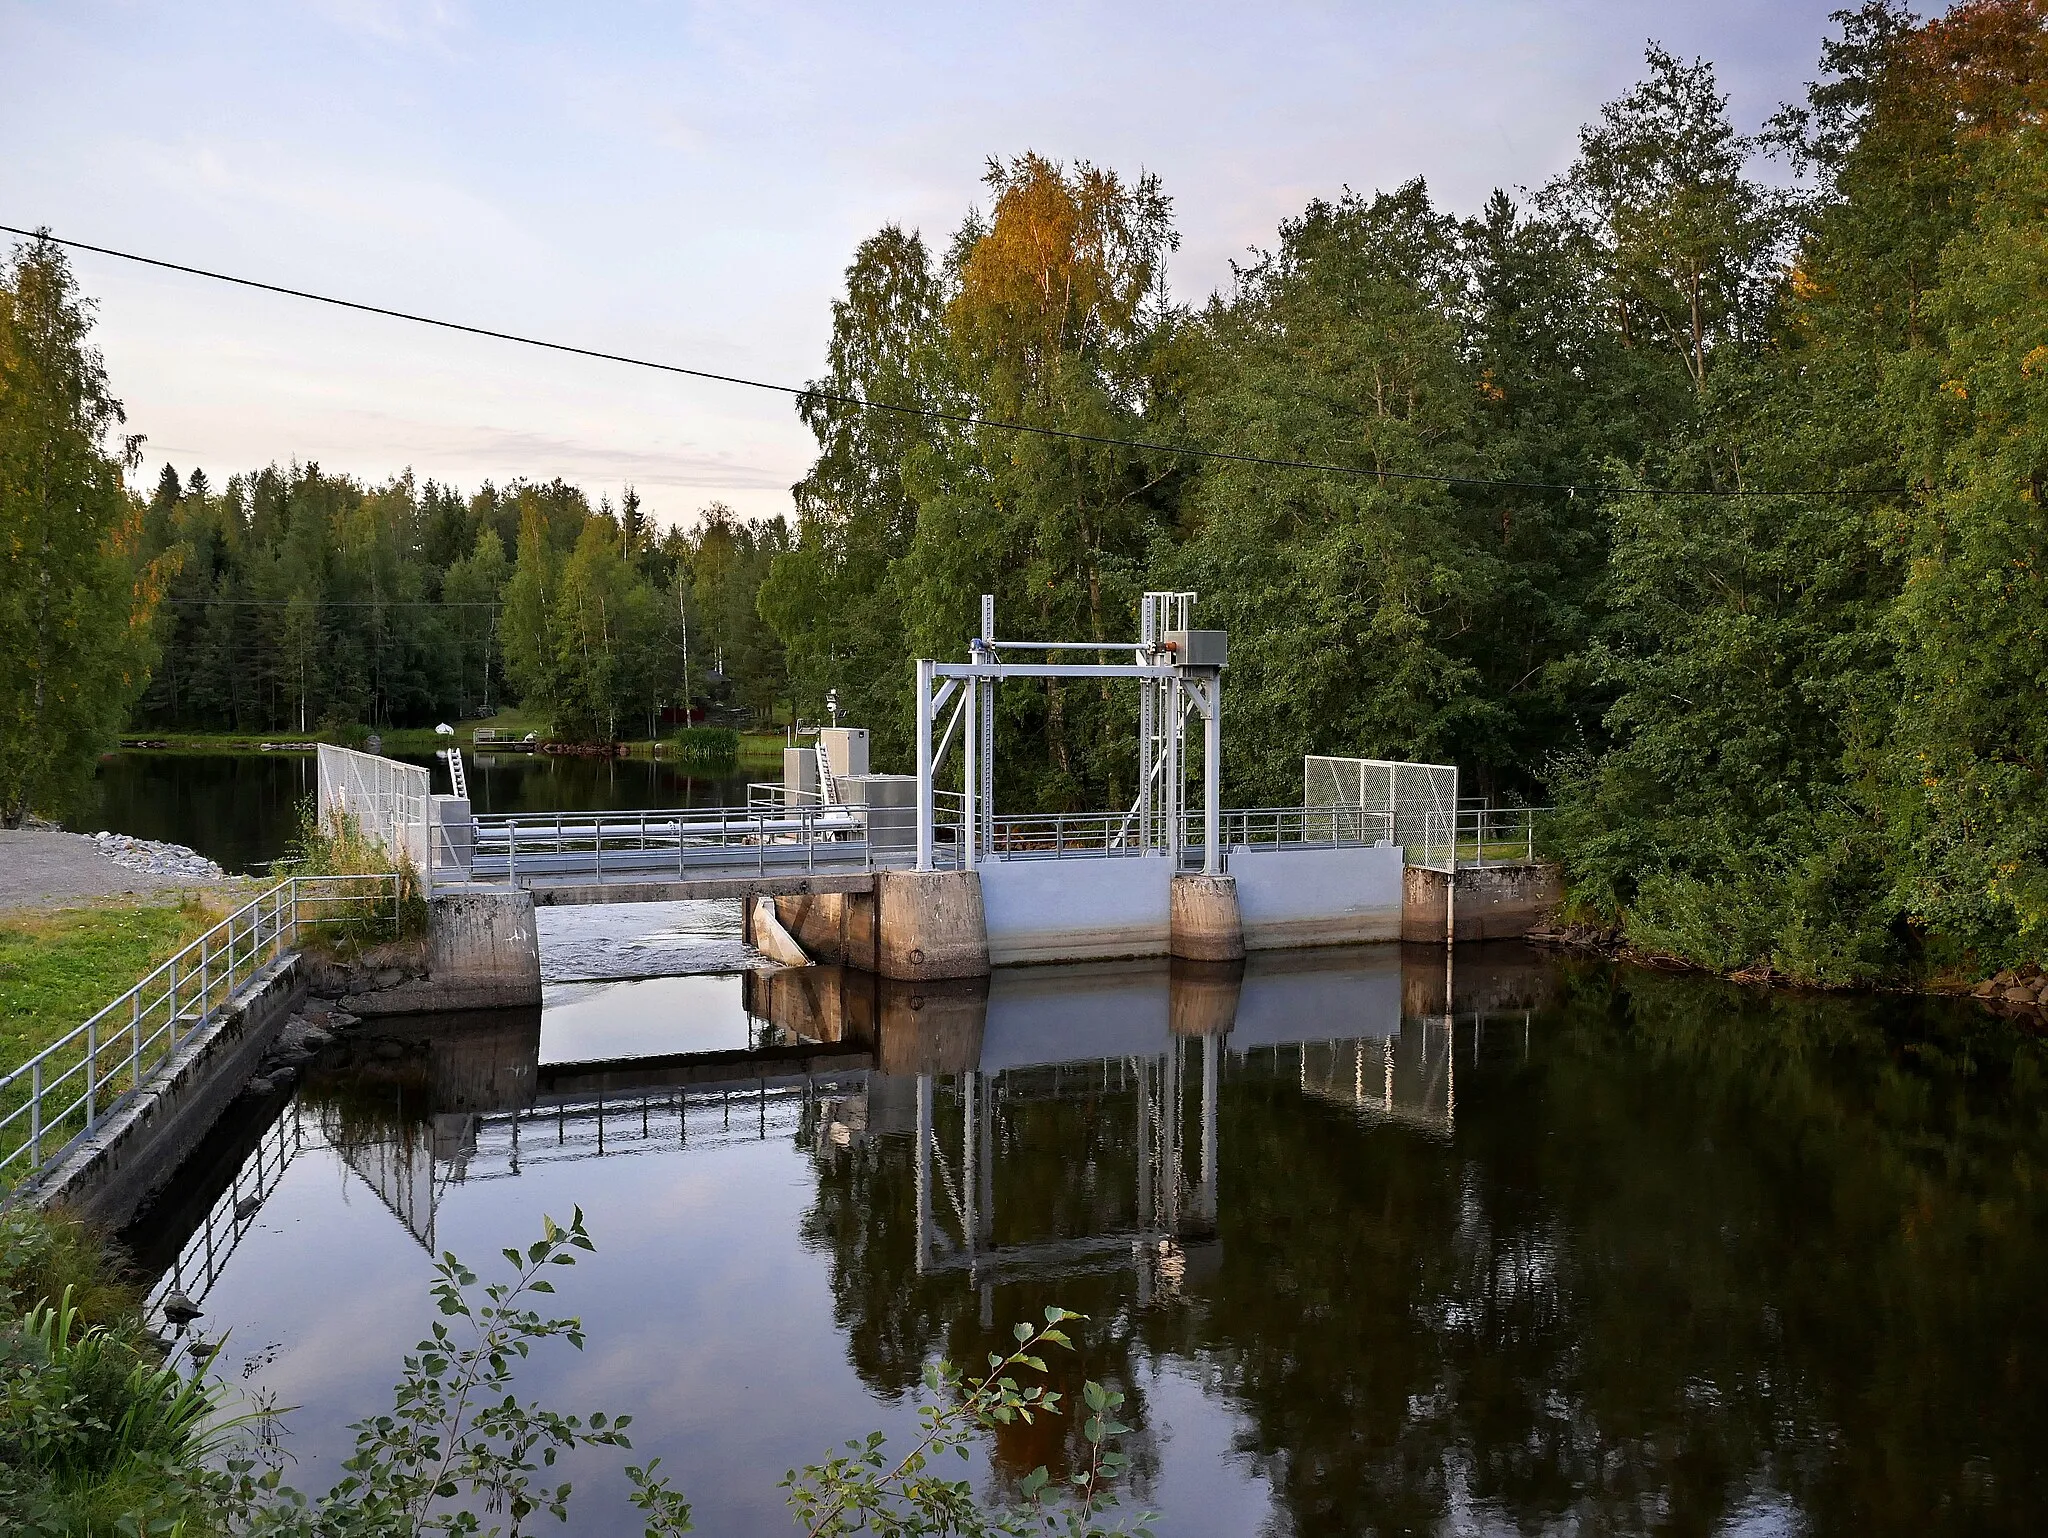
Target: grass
[(57, 968)]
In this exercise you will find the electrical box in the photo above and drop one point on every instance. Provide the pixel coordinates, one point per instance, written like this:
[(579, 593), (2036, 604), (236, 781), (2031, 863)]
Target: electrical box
[(799, 777), (886, 806), (846, 750), (1198, 648)]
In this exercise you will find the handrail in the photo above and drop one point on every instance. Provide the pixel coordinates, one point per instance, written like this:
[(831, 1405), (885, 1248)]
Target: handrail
[(64, 1092), (1478, 838)]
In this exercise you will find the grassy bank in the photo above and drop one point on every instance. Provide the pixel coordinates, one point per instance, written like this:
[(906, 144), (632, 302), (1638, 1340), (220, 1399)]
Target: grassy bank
[(57, 968)]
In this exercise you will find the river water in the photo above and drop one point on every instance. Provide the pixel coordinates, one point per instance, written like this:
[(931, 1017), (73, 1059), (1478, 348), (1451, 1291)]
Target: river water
[(241, 809), (1537, 1247)]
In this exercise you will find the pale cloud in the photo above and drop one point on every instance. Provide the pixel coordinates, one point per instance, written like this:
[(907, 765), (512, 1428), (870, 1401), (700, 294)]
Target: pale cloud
[(395, 21)]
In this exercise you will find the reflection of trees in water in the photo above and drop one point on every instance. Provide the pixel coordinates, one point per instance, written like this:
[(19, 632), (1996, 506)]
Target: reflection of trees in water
[(1699, 1253), (1066, 1166)]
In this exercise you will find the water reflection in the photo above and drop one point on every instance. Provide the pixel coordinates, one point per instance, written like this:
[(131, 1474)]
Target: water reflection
[(1367, 1248), (241, 809)]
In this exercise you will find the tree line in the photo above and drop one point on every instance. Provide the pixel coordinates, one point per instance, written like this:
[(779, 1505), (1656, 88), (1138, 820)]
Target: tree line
[(1697, 491), (305, 602), (1738, 555)]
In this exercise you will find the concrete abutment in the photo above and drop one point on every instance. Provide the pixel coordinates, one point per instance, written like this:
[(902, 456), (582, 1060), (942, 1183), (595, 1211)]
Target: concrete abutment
[(1204, 922)]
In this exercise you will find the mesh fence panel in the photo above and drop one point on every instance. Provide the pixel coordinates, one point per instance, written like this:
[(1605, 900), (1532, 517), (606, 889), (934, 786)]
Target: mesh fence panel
[(1423, 799), (391, 802)]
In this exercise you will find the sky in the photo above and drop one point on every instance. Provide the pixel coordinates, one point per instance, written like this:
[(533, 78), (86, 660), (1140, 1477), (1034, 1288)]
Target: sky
[(687, 182)]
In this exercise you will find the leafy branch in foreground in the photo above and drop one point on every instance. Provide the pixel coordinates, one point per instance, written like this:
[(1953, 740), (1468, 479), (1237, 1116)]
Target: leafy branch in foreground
[(861, 1492), (458, 1441)]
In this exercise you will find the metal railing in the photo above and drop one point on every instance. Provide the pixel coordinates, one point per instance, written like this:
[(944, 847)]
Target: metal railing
[(681, 843), (63, 1093), (1477, 838), (1056, 835)]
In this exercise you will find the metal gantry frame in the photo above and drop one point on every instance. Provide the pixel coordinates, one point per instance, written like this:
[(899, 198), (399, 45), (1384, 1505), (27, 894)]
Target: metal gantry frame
[(1169, 691)]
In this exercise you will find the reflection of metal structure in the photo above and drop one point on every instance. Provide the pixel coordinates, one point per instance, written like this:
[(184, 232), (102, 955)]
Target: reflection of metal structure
[(1171, 1208), (408, 1167), (206, 1250), (503, 1144), (1177, 670), (1411, 1078)]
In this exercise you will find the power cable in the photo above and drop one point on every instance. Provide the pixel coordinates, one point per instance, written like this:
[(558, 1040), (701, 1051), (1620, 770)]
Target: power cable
[(934, 414), (328, 603)]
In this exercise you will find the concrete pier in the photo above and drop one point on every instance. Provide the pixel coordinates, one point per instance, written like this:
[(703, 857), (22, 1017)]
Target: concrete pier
[(1205, 925), (482, 952), (930, 924)]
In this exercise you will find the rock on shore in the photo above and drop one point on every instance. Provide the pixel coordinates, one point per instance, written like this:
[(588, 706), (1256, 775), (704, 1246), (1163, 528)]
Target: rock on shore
[(149, 858)]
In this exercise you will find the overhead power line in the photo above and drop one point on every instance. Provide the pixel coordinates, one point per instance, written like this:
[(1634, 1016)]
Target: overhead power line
[(329, 603), (935, 414)]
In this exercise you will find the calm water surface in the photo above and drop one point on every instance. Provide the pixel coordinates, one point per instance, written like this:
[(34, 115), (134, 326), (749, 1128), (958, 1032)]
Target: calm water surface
[(241, 809), (1571, 1249)]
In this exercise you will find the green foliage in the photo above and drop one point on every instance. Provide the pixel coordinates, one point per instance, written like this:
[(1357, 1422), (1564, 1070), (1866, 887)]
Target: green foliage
[(96, 1432), (863, 1490), (307, 602), (46, 1257), (705, 744), (74, 603), (338, 846)]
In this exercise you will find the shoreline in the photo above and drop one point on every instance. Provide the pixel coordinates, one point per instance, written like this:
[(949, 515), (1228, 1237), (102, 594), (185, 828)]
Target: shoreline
[(2018, 995)]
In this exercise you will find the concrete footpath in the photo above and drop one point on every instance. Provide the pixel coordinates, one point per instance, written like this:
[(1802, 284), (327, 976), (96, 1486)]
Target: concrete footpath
[(44, 868)]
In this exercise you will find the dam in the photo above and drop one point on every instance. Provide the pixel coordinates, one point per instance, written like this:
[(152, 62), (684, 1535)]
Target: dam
[(911, 878)]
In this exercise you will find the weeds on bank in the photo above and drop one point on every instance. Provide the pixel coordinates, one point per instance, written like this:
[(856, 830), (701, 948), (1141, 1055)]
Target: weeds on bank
[(338, 846), (705, 745)]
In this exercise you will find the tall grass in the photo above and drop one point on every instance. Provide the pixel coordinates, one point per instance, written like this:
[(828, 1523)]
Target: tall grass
[(97, 1432), (705, 744), (338, 846)]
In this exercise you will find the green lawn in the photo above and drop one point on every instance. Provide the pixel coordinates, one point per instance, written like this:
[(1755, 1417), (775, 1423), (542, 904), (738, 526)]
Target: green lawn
[(57, 968)]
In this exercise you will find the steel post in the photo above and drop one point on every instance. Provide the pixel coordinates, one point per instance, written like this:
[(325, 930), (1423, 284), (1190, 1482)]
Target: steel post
[(1212, 778), (970, 821), (924, 764)]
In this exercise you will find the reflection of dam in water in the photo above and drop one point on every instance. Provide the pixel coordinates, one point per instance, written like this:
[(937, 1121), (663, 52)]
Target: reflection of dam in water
[(835, 1057)]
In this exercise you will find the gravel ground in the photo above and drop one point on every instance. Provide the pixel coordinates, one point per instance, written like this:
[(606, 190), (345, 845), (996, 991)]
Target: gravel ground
[(47, 869)]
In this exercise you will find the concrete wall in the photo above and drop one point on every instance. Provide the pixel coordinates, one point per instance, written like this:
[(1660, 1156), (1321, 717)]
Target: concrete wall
[(130, 1155), (1076, 910), (832, 927), (1292, 898), (483, 952), (929, 924), (1501, 902)]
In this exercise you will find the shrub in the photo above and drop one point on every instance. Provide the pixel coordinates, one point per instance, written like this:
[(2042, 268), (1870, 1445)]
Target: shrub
[(705, 744)]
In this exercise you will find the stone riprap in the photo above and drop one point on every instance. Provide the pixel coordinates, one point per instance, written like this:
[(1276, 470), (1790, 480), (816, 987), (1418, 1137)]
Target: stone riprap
[(150, 858)]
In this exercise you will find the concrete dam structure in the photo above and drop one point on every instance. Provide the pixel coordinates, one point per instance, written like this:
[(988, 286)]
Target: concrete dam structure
[(903, 876)]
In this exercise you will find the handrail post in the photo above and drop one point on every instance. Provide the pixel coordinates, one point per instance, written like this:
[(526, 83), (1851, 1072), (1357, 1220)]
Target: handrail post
[(92, 1073)]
